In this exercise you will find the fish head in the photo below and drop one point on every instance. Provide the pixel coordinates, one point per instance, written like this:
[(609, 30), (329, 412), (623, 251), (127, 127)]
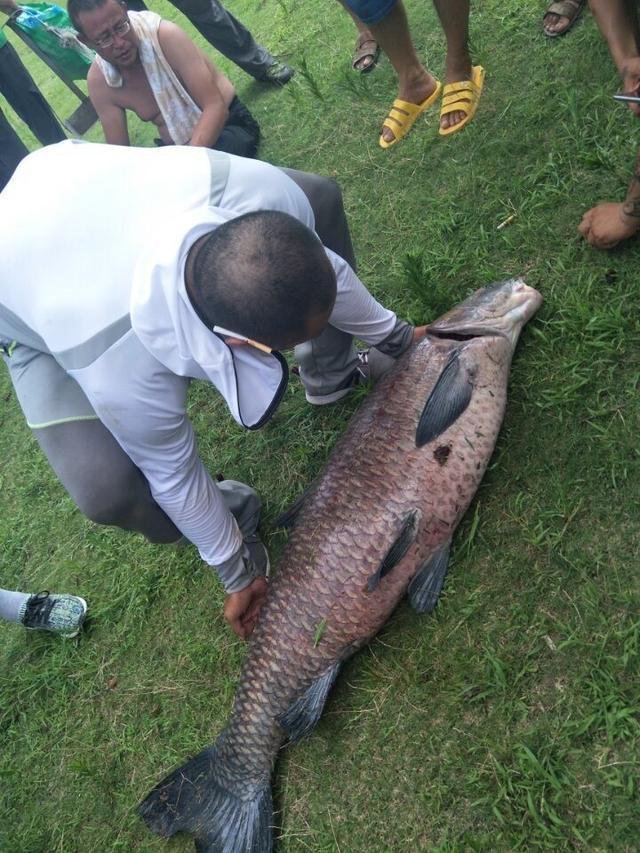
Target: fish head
[(500, 309)]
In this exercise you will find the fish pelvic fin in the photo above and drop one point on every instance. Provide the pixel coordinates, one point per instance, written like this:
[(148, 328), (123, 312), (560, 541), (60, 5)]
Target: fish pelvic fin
[(302, 717), (288, 518), (401, 544), (448, 400), (426, 586), (192, 799)]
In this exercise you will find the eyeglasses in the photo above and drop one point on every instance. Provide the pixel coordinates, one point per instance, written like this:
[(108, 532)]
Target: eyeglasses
[(120, 29)]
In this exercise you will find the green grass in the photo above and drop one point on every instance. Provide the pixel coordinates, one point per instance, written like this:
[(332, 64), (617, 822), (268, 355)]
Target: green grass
[(511, 718)]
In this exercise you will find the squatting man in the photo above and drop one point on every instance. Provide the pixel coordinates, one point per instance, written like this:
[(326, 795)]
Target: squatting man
[(152, 67), (153, 267)]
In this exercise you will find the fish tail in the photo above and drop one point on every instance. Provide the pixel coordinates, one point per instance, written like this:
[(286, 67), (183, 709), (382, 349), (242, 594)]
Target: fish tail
[(193, 799)]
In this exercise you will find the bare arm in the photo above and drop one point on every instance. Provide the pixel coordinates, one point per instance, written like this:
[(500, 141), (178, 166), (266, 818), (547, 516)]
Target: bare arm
[(112, 117), (618, 24), (631, 205), (201, 80)]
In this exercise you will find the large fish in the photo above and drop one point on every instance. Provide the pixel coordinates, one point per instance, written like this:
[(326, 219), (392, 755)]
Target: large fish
[(376, 524)]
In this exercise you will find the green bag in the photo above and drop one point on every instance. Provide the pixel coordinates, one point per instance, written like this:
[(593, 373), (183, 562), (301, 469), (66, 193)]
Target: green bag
[(50, 27)]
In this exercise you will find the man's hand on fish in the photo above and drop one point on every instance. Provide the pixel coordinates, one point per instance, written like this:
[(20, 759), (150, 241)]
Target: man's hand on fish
[(607, 224), (241, 609), (418, 333)]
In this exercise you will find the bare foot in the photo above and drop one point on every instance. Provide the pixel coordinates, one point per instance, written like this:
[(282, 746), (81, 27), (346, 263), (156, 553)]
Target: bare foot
[(414, 91), (561, 16), (555, 23), (366, 52), (456, 73)]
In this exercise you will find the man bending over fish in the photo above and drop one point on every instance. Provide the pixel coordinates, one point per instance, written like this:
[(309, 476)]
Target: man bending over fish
[(153, 267)]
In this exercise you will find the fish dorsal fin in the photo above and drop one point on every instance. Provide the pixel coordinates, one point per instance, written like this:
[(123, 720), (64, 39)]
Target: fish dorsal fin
[(448, 400), (426, 586), (398, 549)]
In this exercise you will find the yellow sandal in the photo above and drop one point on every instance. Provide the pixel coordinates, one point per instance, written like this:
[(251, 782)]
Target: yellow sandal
[(462, 97), (403, 114)]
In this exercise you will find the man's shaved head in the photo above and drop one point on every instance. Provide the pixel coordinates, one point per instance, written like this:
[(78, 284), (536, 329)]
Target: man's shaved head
[(265, 276)]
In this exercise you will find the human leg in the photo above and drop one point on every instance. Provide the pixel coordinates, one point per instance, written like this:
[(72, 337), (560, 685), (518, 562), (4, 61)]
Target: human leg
[(102, 480), (230, 37), (108, 488), (415, 84), (12, 604), (241, 133), (96, 472), (454, 19), (367, 49), (244, 504), (60, 614), (330, 365), (19, 89), (12, 150), (325, 198), (328, 362), (618, 23)]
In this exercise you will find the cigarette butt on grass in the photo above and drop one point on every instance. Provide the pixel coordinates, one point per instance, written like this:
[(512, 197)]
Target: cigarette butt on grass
[(505, 222)]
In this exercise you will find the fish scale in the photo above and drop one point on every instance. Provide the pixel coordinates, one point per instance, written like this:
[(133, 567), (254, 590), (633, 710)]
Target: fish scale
[(379, 518)]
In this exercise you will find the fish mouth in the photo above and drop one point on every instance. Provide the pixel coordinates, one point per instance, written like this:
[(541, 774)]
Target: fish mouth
[(500, 310), (466, 335)]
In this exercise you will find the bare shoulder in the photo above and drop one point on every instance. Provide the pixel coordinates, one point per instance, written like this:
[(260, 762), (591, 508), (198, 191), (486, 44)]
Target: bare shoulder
[(97, 85), (170, 34), (175, 43)]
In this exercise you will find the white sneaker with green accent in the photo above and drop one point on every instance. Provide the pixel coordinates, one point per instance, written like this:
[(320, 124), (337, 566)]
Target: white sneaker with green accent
[(59, 613)]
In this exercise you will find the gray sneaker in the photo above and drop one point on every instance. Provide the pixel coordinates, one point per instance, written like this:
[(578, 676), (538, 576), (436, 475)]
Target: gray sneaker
[(259, 554), (49, 611), (372, 365)]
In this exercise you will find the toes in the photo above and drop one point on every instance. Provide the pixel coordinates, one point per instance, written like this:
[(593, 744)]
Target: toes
[(387, 134), (555, 23), (363, 63), (451, 119)]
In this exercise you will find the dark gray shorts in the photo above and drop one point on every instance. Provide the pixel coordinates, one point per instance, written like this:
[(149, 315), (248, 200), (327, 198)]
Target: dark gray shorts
[(46, 393)]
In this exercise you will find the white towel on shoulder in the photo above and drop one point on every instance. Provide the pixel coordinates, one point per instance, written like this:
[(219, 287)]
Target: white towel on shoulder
[(179, 111)]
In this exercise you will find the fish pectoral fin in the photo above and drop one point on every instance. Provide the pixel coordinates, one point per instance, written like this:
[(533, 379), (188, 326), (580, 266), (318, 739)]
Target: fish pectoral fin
[(303, 715), (398, 549), (426, 586), (448, 400)]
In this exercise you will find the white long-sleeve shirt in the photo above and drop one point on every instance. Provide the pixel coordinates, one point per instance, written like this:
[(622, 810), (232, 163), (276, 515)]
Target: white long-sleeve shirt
[(95, 239)]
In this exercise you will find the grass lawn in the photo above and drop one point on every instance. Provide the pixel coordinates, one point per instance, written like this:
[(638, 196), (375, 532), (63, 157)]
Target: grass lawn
[(511, 718)]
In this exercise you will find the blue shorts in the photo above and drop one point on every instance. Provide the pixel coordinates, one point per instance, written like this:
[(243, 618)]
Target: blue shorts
[(371, 11)]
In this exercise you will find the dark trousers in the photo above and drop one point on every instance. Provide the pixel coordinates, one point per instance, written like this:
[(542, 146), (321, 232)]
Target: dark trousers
[(241, 133), (224, 32), (17, 86), (11, 151)]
